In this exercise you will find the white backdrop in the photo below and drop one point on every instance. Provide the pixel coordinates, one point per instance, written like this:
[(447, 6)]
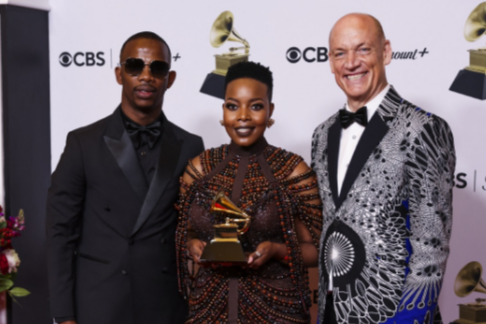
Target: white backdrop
[(305, 93)]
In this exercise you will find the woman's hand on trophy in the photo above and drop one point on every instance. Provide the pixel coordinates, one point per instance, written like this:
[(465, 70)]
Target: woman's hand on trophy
[(195, 249), (264, 252)]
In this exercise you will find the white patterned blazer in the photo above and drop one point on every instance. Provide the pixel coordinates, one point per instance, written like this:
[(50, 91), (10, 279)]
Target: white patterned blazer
[(385, 237)]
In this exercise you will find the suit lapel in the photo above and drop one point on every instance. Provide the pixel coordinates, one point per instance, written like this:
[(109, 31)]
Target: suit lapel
[(170, 149), (121, 147), (372, 136), (333, 139)]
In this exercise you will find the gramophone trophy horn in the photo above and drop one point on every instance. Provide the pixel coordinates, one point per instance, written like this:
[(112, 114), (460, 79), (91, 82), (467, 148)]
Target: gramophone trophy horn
[(471, 81), (223, 204), (225, 248), (223, 31), (476, 23), (469, 280)]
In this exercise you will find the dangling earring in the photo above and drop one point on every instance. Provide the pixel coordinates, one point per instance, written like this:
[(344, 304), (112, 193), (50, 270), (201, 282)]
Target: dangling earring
[(270, 122), (221, 122)]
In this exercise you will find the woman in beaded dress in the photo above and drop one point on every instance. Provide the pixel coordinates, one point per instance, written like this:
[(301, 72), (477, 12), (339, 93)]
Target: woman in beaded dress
[(277, 189)]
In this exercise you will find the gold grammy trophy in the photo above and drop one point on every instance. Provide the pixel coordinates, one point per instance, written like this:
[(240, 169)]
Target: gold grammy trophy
[(469, 280), (471, 81), (225, 248), (223, 31)]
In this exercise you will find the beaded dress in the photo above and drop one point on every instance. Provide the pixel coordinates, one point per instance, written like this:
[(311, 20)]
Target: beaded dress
[(257, 181)]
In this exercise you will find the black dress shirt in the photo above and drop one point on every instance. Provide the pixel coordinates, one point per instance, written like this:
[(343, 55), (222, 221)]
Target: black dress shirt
[(147, 156)]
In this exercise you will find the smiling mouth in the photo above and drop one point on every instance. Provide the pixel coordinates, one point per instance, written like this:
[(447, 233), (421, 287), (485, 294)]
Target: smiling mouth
[(356, 76), (243, 131), (144, 93)]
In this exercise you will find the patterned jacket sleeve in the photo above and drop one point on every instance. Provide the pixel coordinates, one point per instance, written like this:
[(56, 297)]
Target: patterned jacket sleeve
[(430, 170)]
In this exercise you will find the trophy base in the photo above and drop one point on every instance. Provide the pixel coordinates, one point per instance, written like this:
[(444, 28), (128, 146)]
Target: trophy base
[(224, 253), (469, 83), (223, 62), (214, 85)]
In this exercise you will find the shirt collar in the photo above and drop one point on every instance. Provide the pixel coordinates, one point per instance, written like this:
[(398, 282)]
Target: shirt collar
[(127, 119), (373, 104)]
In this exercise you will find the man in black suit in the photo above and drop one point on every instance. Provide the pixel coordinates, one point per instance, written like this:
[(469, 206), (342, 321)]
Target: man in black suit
[(110, 212)]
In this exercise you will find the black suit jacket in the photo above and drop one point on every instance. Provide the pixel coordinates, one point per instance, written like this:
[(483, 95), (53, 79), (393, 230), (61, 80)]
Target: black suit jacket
[(111, 253)]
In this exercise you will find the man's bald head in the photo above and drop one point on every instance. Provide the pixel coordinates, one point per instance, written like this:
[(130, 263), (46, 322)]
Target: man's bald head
[(363, 18), (358, 54)]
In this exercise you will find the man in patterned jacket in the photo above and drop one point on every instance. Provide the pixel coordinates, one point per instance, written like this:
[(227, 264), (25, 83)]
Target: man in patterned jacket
[(385, 170)]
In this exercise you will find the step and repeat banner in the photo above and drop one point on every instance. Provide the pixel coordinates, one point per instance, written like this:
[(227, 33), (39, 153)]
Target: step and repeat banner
[(429, 50)]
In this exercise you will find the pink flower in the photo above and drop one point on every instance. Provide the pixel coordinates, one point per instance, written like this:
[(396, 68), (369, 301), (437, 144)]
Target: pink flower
[(12, 259)]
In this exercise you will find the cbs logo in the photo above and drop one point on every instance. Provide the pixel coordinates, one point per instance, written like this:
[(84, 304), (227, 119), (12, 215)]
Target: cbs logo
[(82, 59), (310, 54)]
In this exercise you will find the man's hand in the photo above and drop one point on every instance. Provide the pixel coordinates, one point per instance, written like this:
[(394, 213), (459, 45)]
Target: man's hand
[(195, 248), (68, 322)]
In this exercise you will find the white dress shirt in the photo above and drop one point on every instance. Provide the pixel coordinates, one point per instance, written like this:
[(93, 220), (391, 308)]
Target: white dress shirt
[(350, 137)]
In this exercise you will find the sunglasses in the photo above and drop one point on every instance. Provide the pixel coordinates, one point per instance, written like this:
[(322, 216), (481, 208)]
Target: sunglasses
[(135, 66)]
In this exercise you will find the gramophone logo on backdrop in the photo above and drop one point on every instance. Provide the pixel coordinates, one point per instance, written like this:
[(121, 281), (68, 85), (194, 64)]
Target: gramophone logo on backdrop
[(468, 280), (222, 31), (471, 81)]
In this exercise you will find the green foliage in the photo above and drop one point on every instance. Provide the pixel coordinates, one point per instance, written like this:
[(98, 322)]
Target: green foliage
[(19, 292), (5, 284)]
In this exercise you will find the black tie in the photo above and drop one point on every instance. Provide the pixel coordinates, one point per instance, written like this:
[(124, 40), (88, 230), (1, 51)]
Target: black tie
[(143, 134), (347, 117)]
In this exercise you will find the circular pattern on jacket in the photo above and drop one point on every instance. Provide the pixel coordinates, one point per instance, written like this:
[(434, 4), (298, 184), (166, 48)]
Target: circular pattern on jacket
[(339, 254)]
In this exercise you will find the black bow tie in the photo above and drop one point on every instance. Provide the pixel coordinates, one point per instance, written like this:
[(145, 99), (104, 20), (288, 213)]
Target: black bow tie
[(143, 134), (347, 117)]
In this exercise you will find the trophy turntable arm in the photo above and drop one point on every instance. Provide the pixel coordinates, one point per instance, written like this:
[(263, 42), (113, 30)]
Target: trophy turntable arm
[(246, 48), (246, 224)]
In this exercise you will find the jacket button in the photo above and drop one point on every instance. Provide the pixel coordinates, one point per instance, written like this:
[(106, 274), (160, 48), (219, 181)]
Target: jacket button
[(165, 270), (107, 209), (124, 272), (130, 242), (163, 241)]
